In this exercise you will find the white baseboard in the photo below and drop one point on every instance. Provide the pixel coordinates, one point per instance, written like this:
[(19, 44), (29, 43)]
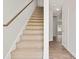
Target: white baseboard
[(70, 52), (73, 54)]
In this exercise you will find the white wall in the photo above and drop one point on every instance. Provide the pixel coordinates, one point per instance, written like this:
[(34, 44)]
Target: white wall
[(51, 20), (54, 26), (12, 7), (12, 32), (69, 26), (40, 3)]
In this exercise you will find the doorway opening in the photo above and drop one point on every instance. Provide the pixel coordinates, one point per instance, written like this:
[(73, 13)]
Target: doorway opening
[(57, 23)]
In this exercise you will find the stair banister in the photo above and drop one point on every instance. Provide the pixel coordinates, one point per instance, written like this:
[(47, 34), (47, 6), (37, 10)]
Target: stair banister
[(8, 23)]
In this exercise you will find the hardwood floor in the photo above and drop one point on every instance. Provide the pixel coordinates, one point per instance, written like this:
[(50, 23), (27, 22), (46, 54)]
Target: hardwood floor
[(57, 51)]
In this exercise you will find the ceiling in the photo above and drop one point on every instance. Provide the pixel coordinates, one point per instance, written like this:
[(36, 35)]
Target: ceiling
[(57, 5)]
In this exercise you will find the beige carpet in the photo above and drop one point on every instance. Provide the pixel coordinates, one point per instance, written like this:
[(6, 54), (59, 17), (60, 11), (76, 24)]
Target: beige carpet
[(31, 43), (57, 51)]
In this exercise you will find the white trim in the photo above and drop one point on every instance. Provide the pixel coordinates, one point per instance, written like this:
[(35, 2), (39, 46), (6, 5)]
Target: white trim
[(46, 29), (77, 29), (73, 54)]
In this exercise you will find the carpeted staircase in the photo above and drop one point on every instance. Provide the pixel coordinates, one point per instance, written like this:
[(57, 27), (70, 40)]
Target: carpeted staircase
[(31, 44)]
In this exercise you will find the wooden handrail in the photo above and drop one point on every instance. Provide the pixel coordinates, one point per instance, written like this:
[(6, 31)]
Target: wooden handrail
[(8, 23)]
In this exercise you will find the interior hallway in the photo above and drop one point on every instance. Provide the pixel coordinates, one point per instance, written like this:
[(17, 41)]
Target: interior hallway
[(57, 51)]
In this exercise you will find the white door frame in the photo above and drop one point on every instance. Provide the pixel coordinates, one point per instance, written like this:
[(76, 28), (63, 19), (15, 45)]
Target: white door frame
[(46, 29)]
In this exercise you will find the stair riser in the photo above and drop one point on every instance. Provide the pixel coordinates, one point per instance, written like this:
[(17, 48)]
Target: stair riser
[(40, 13), (34, 27), (37, 17), (33, 31), (36, 37), (41, 16), (28, 54), (32, 39), (39, 10), (33, 23), (35, 20), (30, 47), (27, 57), (40, 24), (30, 44), (32, 55), (38, 56)]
